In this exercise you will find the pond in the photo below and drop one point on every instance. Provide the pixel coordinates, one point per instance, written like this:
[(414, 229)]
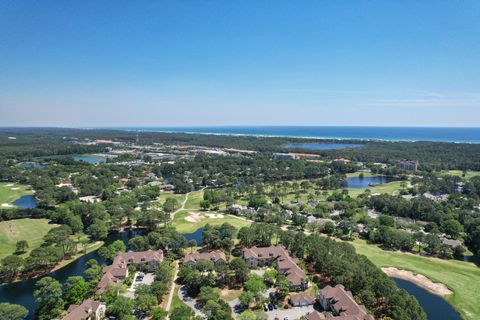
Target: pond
[(89, 158), (323, 146), (21, 292), (367, 182), (26, 202), (435, 306), (197, 235)]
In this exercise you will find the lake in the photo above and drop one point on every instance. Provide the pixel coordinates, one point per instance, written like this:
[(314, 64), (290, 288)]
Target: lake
[(21, 292), (89, 158), (323, 146), (367, 182), (26, 202), (435, 306)]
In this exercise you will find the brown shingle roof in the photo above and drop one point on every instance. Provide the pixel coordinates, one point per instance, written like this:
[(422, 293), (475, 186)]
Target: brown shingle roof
[(78, 312), (213, 256), (284, 262), (301, 298), (344, 303), (118, 270), (315, 315)]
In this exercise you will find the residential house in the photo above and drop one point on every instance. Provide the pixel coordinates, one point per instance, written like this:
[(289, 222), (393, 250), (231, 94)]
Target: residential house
[(217, 257), (341, 303), (266, 256), (301, 300), (118, 270), (88, 310)]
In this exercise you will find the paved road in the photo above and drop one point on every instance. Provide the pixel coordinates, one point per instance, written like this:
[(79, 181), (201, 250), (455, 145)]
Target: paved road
[(192, 303)]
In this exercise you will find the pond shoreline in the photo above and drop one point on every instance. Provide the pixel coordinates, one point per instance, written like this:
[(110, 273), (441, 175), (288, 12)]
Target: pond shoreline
[(420, 280)]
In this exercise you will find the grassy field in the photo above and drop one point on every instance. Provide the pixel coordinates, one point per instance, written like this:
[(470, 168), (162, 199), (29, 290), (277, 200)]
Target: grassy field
[(31, 230), (168, 194), (10, 192), (184, 226), (176, 301), (390, 188), (194, 199), (463, 278), (459, 173)]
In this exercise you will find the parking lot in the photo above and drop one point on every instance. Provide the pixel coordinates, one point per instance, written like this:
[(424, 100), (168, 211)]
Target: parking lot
[(290, 314), (139, 278)]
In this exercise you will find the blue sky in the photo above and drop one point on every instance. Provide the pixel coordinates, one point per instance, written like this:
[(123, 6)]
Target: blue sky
[(170, 63)]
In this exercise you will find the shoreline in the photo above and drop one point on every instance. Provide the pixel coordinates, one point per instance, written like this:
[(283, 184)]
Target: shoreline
[(267, 135), (95, 246), (420, 280)]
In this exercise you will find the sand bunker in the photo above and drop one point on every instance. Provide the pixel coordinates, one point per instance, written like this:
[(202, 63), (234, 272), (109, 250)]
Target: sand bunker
[(15, 188), (215, 216), (419, 279), (5, 205), (9, 185), (194, 217)]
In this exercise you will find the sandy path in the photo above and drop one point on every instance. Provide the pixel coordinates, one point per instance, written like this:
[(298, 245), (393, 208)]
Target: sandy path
[(420, 280), (172, 289)]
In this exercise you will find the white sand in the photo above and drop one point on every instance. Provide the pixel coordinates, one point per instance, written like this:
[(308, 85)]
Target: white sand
[(420, 280), (194, 217), (5, 205)]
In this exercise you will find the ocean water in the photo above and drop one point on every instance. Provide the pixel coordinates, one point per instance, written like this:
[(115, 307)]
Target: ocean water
[(445, 134)]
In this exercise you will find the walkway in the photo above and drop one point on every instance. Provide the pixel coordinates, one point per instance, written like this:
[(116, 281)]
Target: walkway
[(172, 289)]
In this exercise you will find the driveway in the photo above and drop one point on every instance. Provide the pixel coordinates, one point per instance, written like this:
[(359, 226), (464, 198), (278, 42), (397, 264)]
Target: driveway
[(291, 314), (192, 303)]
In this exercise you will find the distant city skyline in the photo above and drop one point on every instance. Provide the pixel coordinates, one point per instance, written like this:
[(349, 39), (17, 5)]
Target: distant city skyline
[(219, 63)]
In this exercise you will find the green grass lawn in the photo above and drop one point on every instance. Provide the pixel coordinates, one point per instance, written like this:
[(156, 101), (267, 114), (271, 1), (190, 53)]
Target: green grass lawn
[(176, 301), (168, 194), (459, 173), (463, 278), (184, 226), (31, 230), (356, 174), (10, 192), (194, 199), (390, 188)]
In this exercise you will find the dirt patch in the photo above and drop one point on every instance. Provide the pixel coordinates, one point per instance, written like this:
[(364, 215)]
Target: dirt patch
[(420, 280), (194, 217), (230, 295), (215, 216)]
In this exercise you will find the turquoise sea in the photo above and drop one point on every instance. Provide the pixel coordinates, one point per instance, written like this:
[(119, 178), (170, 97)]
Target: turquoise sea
[(445, 134)]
